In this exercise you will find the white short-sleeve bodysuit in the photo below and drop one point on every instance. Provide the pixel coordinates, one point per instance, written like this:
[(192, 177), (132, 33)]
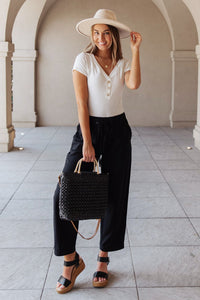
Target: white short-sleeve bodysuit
[(105, 91)]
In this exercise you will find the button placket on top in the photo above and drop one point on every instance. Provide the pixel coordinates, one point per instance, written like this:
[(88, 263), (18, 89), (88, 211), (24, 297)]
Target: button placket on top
[(107, 77), (108, 88)]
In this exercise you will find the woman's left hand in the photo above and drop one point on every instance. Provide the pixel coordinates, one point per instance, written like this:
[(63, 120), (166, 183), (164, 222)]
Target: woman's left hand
[(136, 40)]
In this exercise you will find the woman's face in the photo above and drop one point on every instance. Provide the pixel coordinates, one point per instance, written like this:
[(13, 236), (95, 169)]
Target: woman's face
[(101, 36)]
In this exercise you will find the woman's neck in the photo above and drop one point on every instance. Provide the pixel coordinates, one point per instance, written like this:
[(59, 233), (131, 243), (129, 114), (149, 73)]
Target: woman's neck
[(103, 54)]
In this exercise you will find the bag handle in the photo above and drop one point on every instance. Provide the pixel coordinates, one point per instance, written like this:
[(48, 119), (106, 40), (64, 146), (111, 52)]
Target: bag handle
[(78, 166), (91, 237), (78, 169)]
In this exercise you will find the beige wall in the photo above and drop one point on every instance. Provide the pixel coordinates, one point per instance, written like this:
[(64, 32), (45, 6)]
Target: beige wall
[(58, 44)]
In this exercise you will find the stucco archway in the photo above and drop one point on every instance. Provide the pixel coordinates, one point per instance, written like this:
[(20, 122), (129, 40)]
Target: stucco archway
[(194, 7), (184, 63), (12, 8), (182, 99), (56, 54), (24, 37), (186, 117), (8, 12)]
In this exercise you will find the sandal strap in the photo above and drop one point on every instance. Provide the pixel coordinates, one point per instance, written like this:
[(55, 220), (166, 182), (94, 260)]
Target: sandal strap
[(73, 262), (64, 281), (100, 274), (103, 259)]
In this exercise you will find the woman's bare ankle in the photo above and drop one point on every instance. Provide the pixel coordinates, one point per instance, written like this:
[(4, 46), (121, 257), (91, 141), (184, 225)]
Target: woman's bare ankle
[(103, 254), (70, 257)]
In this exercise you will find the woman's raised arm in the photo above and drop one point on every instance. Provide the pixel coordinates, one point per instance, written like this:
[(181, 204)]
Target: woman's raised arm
[(133, 77)]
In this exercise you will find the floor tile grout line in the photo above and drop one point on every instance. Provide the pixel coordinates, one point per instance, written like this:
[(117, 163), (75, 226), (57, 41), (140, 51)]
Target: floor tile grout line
[(23, 220), (135, 197), (106, 288), (198, 234), (166, 134), (161, 218), (134, 273), (29, 171), (31, 199), (14, 192), (21, 289), (113, 287), (95, 247), (181, 206), (170, 286), (167, 182), (168, 170), (45, 279), (51, 247), (165, 246), (196, 231), (25, 248), (181, 148)]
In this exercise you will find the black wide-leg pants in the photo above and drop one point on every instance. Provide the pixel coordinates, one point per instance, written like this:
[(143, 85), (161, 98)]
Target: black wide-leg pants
[(111, 138)]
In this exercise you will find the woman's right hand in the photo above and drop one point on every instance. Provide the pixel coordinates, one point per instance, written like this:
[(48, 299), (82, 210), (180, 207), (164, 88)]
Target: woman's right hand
[(88, 152)]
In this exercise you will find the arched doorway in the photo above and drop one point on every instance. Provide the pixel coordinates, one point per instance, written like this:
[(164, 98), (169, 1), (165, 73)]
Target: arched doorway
[(89, 7)]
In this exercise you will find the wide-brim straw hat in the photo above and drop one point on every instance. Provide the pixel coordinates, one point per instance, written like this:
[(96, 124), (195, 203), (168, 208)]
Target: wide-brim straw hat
[(103, 16)]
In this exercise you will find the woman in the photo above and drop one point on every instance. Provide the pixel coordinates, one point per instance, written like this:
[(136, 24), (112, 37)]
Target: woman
[(99, 75)]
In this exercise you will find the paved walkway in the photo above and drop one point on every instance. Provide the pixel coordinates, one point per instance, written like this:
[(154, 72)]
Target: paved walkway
[(161, 260)]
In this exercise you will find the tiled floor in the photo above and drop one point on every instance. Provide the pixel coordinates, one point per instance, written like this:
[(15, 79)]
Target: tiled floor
[(161, 259)]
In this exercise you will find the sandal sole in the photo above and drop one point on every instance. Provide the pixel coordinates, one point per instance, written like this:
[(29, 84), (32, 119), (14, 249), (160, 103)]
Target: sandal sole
[(80, 268), (100, 284)]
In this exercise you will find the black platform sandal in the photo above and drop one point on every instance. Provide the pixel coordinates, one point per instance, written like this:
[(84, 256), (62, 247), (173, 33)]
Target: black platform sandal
[(100, 284), (79, 266)]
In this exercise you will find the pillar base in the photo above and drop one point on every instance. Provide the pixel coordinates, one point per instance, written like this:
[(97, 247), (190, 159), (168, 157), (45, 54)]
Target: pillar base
[(24, 124), (20, 120), (182, 124), (184, 89), (7, 139), (183, 119), (196, 135)]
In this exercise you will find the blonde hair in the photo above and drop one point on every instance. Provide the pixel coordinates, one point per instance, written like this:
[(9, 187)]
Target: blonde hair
[(116, 50)]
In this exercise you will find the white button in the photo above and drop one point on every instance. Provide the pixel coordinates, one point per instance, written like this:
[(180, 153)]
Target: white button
[(109, 83)]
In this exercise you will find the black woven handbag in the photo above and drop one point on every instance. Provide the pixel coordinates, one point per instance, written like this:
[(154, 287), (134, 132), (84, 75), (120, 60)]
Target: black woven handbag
[(83, 195)]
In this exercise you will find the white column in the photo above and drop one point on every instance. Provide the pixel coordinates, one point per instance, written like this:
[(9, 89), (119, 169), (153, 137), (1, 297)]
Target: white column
[(24, 88), (184, 89), (196, 131), (7, 132)]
